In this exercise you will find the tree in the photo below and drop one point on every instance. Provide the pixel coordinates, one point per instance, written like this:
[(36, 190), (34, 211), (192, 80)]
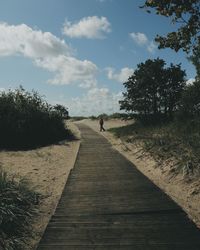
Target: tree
[(185, 14), (195, 59), (175, 83), (61, 110), (190, 102), (141, 95), (153, 89)]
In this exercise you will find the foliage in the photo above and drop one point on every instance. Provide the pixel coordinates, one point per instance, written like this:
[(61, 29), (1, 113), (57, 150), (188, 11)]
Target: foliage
[(93, 117), (119, 116), (62, 111), (104, 116), (116, 115), (153, 90), (190, 103), (27, 120), (186, 16), (195, 59), (17, 207)]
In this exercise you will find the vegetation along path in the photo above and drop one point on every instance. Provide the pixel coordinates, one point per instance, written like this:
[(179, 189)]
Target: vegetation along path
[(108, 204)]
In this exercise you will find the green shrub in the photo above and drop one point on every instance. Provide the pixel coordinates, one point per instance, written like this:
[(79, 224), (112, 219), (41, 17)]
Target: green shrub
[(93, 117), (28, 121), (17, 207), (104, 116)]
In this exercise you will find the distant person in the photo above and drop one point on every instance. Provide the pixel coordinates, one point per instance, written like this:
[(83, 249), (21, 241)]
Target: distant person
[(101, 122)]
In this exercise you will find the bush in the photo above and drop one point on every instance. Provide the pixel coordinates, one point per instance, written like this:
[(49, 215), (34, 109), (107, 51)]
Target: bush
[(62, 111), (17, 206), (93, 117), (28, 121), (104, 116)]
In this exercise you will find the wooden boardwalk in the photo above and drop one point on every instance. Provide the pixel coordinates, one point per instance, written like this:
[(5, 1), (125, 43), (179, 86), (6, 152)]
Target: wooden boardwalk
[(108, 204)]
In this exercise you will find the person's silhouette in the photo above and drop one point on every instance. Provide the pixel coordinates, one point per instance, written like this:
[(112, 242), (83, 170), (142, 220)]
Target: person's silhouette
[(101, 122)]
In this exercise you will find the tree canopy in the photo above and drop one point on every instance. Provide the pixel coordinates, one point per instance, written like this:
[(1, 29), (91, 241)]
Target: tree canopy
[(154, 89), (186, 15)]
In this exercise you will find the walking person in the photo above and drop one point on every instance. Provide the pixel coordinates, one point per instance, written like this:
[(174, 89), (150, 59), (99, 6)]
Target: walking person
[(101, 122)]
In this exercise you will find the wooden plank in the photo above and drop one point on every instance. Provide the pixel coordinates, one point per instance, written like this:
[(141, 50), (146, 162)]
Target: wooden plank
[(108, 204)]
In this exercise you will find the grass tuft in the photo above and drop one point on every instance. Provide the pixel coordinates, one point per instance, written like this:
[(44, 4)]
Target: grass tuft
[(180, 141), (17, 207)]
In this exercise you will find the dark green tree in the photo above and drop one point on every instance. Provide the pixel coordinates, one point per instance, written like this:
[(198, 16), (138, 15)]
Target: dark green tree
[(185, 14), (190, 102), (195, 59), (172, 89), (153, 89), (61, 110)]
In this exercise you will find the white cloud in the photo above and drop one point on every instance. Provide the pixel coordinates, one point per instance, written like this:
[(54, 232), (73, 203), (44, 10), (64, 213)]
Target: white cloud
[(151, 47), (88, 84), (2, 89), (190, 81), (142, 40), (47, 51), (89, 27), (21, 39), (69, 70), (139, 38), (122, 76), (95, 101)]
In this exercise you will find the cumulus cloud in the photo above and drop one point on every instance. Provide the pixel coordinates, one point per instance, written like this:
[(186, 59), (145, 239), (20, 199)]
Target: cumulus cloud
[(95, 101), (69, 69), (121, 76), (142, 40), (47, 51), (21, 39), (139, 38), (89, 27)]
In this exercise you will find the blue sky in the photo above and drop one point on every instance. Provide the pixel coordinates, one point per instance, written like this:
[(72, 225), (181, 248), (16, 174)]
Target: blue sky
[(79, 52)]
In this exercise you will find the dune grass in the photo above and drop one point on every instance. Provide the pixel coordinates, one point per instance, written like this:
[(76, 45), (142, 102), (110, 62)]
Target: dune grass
[(180, 141), (17, 207)]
